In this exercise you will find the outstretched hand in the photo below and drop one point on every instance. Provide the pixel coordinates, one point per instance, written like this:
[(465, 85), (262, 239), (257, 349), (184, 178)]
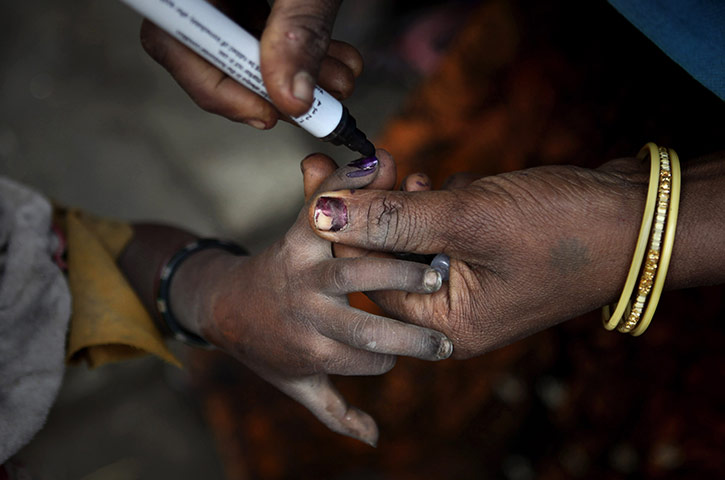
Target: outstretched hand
[(296, 53), (528, 249), (284, 313)]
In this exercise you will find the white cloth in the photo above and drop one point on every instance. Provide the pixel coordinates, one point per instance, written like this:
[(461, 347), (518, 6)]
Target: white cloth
[(34, 313)]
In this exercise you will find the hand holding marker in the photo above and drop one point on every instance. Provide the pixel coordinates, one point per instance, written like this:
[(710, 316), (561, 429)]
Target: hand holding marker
[(229, 47), (233, 50)]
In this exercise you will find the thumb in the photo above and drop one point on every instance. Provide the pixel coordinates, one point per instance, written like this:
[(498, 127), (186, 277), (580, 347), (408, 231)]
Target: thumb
[(412, 222), (317, 393), (293, 45)]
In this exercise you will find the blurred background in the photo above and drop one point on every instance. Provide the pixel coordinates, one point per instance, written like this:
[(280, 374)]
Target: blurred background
[(484, 86)]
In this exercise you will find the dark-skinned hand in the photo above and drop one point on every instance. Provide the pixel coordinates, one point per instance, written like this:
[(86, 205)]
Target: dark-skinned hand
[(530, 248), (284, 312), (296, 53)]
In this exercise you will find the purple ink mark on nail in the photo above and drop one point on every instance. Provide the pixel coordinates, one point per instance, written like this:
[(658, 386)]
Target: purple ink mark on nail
[(365, 166), (359, 173), (367, 163), (421, 184), (330, 214)]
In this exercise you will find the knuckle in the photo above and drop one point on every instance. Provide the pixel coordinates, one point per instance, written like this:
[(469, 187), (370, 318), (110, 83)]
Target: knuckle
[(206, 100), (338, 276), (393, 223), (308, 30), (345, 84), (319, 356), (474, 221), (205, 94), (361, 334), (383, 225)]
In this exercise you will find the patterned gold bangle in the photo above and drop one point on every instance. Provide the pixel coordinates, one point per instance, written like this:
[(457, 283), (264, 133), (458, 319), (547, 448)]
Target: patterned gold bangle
[(667, 246), (611, 321), (652, 259)]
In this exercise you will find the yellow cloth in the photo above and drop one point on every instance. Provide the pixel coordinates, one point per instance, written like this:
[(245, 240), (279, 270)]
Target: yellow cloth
[(108, 321)]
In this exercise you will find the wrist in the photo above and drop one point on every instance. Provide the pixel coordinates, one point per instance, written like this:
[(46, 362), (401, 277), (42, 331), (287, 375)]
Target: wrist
[(196, 284), (698, 256)]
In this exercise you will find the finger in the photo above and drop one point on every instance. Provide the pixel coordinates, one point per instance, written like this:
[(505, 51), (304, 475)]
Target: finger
[(340, 359), (207, 86), (336, 78), (419, 222), (347, 275), (416, 182), (385, 180), (293, 45), (377, 334), (363, 172), (315, 169), (387, 172), (348, 55), (317, 393), (410, 308), (339, 69), (356, 174)]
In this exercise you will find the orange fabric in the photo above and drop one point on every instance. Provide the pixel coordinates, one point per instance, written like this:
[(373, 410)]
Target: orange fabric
[(108, 322)]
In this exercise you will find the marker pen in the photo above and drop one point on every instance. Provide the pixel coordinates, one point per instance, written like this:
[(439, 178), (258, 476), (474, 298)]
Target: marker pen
[(229, 47)]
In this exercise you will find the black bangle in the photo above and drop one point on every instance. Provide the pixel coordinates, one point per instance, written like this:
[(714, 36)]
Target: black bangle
[(163, 304)]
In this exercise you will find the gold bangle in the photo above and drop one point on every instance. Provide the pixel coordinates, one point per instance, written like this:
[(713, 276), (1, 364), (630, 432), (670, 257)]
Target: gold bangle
[(652, 261), (612, 321), (667, 246)]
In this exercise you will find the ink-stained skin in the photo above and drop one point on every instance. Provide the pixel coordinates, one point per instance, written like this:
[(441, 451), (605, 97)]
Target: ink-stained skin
[(365, 166), (569, 255)]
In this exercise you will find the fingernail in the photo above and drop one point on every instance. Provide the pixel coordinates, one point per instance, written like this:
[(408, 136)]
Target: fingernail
[(365, 166), (442, 263), (302, 86), (258, 124), (445, 349), (432, 280), (330, 214), (424, 183)]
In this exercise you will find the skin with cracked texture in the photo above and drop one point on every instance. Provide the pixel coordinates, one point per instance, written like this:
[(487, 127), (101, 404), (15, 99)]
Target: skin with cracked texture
[(531, 248)]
